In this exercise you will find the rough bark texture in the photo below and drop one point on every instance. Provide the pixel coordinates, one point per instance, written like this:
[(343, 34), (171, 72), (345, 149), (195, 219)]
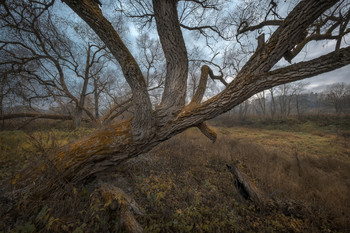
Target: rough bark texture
[(174, 48), (198, 95), (244, 186), (286, 36), (90, 12), (197, 99), (109, 147), (117, 199)]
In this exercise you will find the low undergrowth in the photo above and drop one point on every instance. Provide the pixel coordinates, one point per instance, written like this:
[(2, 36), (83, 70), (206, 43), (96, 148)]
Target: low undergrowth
[(183, 184)]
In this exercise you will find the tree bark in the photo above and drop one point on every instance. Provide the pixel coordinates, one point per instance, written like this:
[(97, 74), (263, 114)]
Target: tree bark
[(109, 147), (90, 12), (286, 36), (175, 52), (244, 186)]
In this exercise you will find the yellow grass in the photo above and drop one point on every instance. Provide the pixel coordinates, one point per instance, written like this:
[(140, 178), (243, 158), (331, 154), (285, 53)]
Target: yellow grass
[(183, 184)]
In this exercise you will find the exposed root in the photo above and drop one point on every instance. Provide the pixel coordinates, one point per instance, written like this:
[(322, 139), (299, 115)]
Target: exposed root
[(117, 199)]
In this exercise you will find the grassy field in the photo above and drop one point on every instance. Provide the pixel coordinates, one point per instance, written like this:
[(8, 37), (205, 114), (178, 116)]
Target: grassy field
[(183, 184)]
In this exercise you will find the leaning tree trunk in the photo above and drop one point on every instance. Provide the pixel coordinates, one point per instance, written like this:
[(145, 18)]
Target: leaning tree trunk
[(109, 147)]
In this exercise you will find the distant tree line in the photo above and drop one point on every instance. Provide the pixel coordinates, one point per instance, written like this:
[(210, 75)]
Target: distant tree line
[(293, 100)]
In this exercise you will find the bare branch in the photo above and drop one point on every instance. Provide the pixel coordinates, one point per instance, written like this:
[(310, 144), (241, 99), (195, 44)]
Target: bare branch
[(202, 29), (286, 36), (247, 28), (108, 115), (203, 4)]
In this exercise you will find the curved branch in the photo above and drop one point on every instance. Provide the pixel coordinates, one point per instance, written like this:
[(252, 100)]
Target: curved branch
[(207, 131), (198, 96), (90, 12), (175, 52), (302, 70), (286, 36), (245, 87), (258, 26), (202, 28), (314, 37), (205, 72)]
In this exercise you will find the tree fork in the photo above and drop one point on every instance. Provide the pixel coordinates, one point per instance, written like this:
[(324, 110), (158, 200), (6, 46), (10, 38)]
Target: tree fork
[(198, 96)]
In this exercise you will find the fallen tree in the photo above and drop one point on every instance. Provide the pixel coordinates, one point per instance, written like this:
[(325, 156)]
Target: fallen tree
[(39, 116)]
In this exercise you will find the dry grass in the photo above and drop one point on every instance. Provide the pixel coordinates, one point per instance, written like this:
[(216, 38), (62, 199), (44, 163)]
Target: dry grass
[(184, 186), (310, 169), (300, 166)]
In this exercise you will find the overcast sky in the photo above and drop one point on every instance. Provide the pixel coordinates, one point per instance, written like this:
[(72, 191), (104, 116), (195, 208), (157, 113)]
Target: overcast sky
[(312, 50)]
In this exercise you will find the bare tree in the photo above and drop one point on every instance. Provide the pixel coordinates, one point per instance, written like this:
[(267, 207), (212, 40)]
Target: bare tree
[(259, 103), (272, 102), (108, 148), (338, 95), (41, 55), (152, 63), (300, 102), (243, 110), (284, 99)]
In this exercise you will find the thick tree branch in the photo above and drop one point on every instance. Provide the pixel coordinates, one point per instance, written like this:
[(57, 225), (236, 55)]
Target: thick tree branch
[(306, 69), (241, 89), (90, 12), (207, 131), (198, 95), (175, 52), (290, 33), (314, 37), (205, 72), (117, 199), (245, 187), (197, 98)]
